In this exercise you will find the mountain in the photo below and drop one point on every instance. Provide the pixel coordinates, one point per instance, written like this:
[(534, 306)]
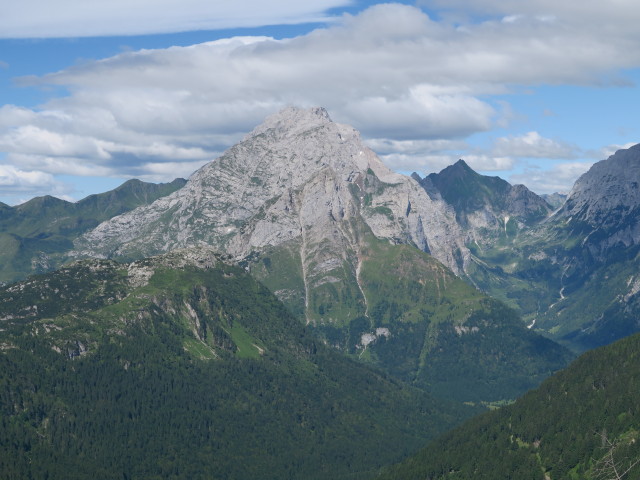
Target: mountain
[(573, 275), (182, 366), (556, 200), (487, 208), (604, 204), (298, 178), (34, 236), (361, 255), (583, 422)]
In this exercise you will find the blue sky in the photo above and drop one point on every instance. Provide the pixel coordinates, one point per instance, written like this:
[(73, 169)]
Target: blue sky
[(533, 92)]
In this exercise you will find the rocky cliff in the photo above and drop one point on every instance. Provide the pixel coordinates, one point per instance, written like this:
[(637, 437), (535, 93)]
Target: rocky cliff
[(604, 203)]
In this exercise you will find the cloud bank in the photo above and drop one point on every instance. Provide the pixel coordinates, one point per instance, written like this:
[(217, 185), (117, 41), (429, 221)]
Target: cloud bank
[(415, 87), (75, 18)]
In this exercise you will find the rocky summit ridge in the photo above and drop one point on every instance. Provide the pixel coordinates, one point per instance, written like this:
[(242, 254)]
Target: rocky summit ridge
[(487, 208), (298, 177)]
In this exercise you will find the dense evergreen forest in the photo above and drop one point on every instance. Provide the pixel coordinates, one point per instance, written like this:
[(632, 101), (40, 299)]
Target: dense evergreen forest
[(582, 423), (220, 382)]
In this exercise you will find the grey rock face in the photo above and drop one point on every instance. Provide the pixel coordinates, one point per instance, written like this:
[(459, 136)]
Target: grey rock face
[(298, 177), (610, 186), (604, 204)]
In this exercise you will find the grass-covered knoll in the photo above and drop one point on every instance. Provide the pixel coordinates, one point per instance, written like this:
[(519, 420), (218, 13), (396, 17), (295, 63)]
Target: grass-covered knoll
[(36, 234), (578, 424), (190, 369)]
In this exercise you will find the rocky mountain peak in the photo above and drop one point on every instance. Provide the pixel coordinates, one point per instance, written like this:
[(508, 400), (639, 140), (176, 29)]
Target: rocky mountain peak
[(292, 120), (460, 168), (609, 192), (485, 206), (606, 200), (298, 177)]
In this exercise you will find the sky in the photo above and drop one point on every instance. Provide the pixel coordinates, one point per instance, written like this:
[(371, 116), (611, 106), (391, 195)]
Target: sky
[(95, 93)]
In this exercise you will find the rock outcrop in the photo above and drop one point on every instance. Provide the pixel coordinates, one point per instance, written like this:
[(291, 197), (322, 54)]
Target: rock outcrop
[(604, 203)]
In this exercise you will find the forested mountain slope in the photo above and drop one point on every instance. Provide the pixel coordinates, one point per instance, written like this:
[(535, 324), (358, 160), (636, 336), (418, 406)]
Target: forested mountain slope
[(579, 424), (184, 367)]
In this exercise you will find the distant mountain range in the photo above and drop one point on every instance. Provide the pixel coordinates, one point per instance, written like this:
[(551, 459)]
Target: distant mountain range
[(573, 274), (35, 236)]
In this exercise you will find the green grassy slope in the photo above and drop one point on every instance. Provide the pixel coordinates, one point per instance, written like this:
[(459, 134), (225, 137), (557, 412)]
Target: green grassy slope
[(447, 336), (409, 315)]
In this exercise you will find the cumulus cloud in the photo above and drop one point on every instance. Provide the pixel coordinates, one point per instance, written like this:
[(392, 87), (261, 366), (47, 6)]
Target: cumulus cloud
[(559, 178), (608, 150), (393, 72), (533, 145), (72, 18), (24, 183)]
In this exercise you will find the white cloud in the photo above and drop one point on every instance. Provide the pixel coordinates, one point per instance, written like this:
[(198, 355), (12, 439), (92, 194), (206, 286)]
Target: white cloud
[(384, 146), (489, 163), (533, 145), (17, 183), (420, 114), (397, 75), (607, 151), (75, 18), (559, 178)]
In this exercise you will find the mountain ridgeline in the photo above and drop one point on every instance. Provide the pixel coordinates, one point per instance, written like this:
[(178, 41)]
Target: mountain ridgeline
[(363, 256), (35, 236), (572, 274)]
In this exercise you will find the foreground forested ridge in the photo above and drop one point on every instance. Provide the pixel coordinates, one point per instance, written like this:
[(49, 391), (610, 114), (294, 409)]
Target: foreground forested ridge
[(184, 367), (579, 424)]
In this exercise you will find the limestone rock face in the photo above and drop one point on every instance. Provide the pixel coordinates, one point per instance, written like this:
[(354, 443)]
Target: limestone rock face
[(298, 177), (607, 199)]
